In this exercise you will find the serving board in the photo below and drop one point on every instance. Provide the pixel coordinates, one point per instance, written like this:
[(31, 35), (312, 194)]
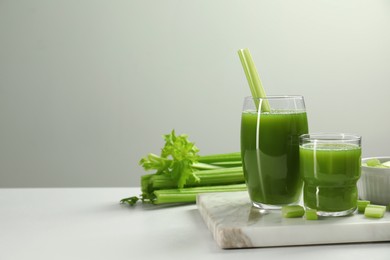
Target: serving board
[(234, 223)]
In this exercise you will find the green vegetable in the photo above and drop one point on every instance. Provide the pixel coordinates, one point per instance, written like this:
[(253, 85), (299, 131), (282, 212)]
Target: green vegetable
[(227, 159), (376, 163), (188, 195), (130, 200), (373, 162), (293, 211), (180, 173), (176, 160), (387, 164), (361, 205), (374, 211), (311, 214), (253, 78)]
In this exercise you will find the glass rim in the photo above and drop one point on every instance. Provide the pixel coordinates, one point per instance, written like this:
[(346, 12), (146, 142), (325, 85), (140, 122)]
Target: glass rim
[(275, 97), (330, 137)]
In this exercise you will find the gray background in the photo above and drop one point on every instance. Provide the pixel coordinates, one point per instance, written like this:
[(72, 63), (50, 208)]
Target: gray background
[(88, 87)]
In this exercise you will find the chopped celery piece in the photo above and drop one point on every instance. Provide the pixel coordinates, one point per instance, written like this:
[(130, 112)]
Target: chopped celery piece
[(293, 211), (361, 205), (386, 164), (375, 211), (376, 163), (311, 214), (373, 162)]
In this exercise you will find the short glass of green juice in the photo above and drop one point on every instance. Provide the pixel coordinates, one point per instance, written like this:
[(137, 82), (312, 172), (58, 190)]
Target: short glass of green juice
[(330, 167), (270, 130)]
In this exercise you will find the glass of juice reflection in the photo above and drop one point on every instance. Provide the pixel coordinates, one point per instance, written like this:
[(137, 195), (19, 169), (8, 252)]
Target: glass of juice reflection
[(330, 166), (270, 149)]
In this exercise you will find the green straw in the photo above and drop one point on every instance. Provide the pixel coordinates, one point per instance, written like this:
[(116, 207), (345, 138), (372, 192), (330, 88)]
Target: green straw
[(253, 78)]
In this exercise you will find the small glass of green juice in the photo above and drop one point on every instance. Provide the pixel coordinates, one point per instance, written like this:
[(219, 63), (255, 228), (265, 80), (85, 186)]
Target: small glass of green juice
[(330, 167), (270, 130)]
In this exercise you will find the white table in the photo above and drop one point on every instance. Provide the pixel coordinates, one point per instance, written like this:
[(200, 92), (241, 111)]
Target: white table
[(89, 223)]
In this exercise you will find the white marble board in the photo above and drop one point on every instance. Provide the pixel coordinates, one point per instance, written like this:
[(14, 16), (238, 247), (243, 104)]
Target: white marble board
[(234, 223)]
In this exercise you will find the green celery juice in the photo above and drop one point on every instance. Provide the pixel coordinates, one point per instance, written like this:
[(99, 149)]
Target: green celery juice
[(270, 155), (330, 173)]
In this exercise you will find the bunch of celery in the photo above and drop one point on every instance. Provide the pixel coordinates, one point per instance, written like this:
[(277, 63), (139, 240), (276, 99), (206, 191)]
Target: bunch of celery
[(181, 173)]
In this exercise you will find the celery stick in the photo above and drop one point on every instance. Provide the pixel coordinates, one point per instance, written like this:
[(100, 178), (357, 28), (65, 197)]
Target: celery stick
[(311, 214), (205, 166), (361, 205), (253, 78), (220, 176), (293, 211), (179, 167), (374, 211), (218, 158), (145, 180), (187, 195), (386, 164), (228, 164)]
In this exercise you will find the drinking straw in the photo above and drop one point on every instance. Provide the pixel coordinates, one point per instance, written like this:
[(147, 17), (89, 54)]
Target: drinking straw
[(253, 78)]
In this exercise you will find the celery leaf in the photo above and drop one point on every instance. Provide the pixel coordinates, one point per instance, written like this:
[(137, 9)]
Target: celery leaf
[(176, 159)]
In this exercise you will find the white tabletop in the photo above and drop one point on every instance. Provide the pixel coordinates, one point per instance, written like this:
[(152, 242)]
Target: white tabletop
[(89, 223)]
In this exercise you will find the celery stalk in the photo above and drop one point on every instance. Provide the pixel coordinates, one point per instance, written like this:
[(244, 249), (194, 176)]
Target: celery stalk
[(188, 195), (253, 78), (205, 166), (219, 158), (228, 164), (374, 211), (293, 211), (180, 173), (206, 178), (361, 205), (311, 214)]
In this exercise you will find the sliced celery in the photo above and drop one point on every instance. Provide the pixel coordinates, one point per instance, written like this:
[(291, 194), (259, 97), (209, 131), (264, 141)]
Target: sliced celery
[(375, 211), (373, 162), (376, 163), (311, 214), (386, 164), (293, 211), (361, 205)]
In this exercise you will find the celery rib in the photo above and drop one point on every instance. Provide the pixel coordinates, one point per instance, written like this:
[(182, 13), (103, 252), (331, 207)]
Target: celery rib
[(228, 164), (181, 173), (311, 214), (293, 211), (187, 195), (362, 204), (205, 166), (206, 178), (219, 158), (374, 211)]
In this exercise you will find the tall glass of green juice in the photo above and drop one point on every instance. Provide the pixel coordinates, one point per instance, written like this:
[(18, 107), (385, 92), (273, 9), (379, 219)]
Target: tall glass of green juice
[(270, 149), (330, 166)]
